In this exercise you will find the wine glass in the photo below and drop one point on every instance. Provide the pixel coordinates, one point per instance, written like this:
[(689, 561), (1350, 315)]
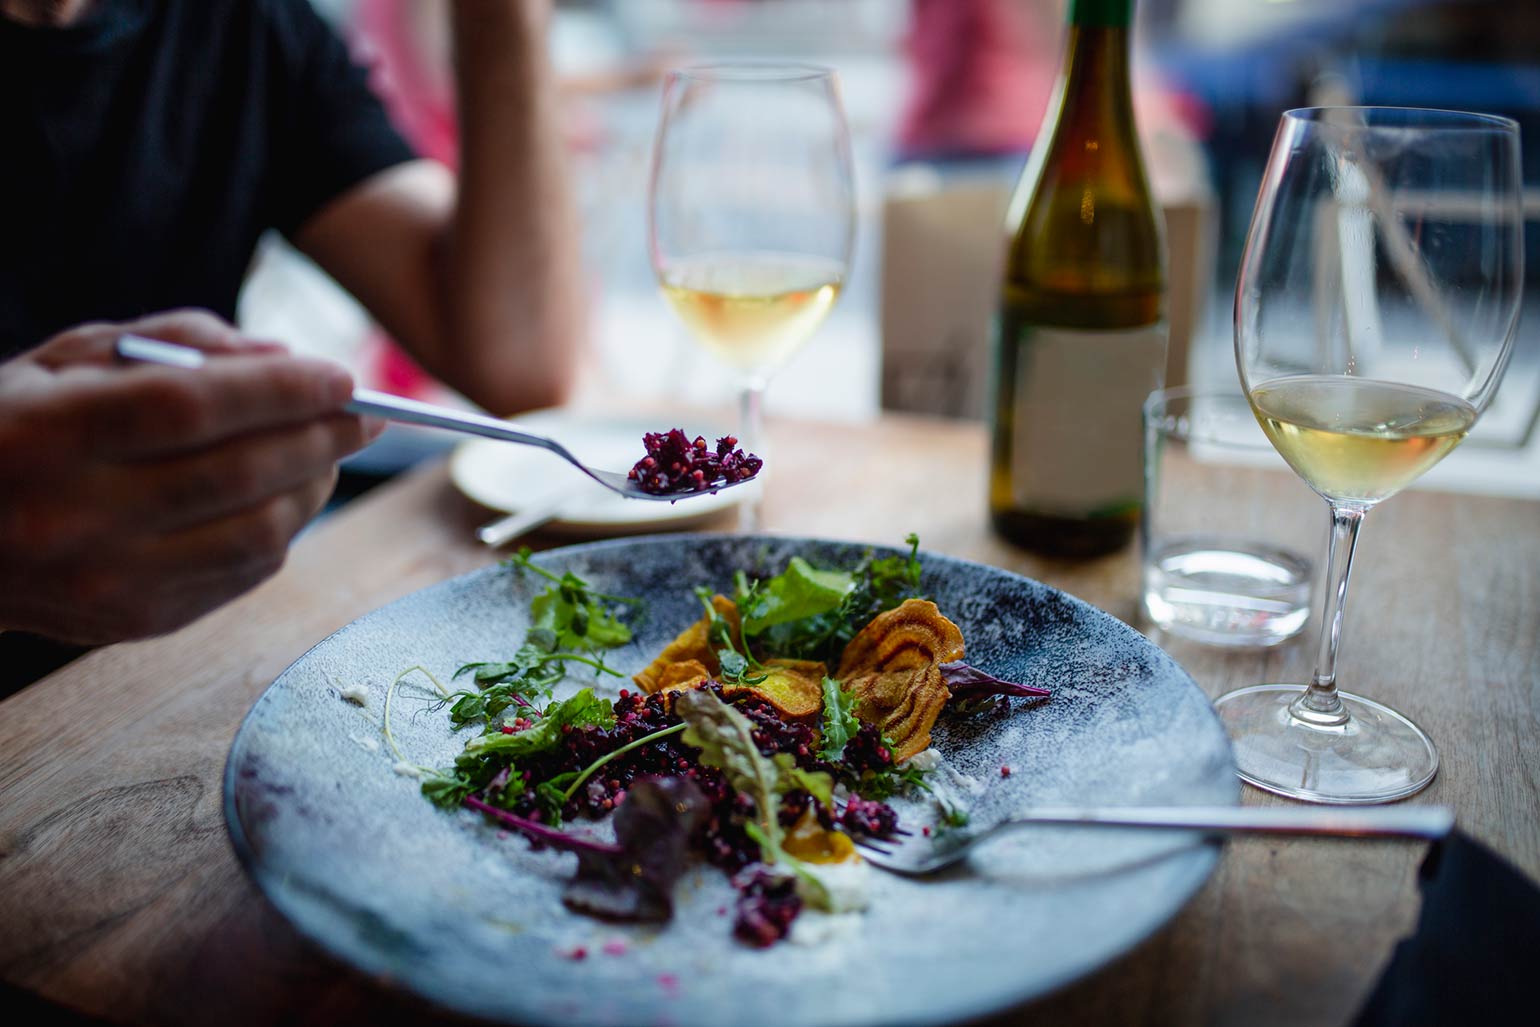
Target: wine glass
[(750, 216), (1374, 315)]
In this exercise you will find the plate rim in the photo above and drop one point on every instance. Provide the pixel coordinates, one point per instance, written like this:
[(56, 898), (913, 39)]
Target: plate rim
[(1203, 853)]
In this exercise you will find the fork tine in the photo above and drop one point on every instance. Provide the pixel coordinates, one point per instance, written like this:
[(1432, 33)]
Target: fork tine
[(892, 864), (916, 858), (871, 846)]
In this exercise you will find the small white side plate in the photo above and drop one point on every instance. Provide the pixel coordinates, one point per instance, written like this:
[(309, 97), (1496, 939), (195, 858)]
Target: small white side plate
[(507, 477)]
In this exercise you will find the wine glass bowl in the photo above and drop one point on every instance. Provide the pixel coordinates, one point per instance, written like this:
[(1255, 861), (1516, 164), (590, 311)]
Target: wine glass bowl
[(1374, 315), (751, 214)]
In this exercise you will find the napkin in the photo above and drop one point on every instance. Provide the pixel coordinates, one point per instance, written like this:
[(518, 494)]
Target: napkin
[(1472, 957)]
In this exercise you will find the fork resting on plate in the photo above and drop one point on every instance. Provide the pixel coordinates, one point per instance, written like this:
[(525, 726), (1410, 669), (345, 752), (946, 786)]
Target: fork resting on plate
[(918, 857)]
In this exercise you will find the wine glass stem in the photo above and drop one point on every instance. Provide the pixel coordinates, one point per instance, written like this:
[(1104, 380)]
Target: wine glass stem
[(1320, 705), (751, 429)]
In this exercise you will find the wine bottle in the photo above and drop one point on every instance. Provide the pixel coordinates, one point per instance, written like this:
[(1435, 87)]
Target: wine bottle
[(1080, 335)]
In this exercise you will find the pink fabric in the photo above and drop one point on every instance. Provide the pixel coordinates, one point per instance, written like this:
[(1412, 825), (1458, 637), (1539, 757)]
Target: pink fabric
[(409, 79), (418, 95), (405, 44), (982, 73)]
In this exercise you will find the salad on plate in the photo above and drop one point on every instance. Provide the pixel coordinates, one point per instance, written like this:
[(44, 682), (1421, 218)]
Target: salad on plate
[(766, 739)]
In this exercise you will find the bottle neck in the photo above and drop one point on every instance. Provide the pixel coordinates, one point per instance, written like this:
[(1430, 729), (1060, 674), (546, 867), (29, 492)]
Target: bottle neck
[(1096, 92), (1101, 13)]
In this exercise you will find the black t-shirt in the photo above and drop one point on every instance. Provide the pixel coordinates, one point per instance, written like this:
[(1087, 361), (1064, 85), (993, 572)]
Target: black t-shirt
[(145, 149)]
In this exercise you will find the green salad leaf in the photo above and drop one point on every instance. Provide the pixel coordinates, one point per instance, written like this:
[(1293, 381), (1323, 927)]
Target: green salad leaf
[(529, 676), (895, 779), (839, 724), (448, 790), (889, 580), (726, 741), (810, 613), (816, 783), (797, 593), (737, 666), (488, 755), (583, 709), (570, 616)]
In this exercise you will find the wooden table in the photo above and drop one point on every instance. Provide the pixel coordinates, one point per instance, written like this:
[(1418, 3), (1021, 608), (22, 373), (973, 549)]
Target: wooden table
[(120, 895)]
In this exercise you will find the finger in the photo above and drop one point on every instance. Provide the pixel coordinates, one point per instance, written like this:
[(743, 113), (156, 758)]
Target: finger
[(203, 330), (374, 427), (255, 539), (230, 476), (151, 584), (146, 412), (93, 343), (152, 606)]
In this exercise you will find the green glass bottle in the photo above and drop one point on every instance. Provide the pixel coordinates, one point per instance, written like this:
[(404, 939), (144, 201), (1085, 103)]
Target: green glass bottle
[(1080, 336)]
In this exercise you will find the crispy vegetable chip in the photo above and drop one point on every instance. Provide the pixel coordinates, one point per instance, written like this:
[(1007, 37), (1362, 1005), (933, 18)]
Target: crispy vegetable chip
[(684, 674), (793, 687), (893, 669), (691, 645), (912, 634)]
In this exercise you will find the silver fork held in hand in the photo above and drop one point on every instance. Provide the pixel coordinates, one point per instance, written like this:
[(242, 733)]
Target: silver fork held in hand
[(411, 411)]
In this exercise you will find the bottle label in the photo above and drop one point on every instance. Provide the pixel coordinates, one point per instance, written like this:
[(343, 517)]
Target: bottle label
[(1076, 433)]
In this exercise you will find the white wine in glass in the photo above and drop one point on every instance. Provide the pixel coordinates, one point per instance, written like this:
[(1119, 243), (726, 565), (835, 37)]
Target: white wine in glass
[(753, 310), (751, 216), (1357, 441), (1374, 315)]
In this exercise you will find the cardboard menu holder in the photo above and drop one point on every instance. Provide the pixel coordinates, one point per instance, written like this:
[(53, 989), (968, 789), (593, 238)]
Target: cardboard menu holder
[(943, 247)]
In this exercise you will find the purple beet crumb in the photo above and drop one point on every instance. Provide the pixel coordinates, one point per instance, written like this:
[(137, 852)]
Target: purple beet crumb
[(868, 817), (677, 464), (767, 905)]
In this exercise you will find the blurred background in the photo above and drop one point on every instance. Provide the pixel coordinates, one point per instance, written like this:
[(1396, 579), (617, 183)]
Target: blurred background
[(944, 98)]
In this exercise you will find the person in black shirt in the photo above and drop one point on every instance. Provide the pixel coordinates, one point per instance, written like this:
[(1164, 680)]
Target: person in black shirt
[(148, 144)]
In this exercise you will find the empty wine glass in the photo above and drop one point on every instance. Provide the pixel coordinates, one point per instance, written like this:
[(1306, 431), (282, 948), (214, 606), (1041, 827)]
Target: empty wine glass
[(751, 215), (1374, 315)]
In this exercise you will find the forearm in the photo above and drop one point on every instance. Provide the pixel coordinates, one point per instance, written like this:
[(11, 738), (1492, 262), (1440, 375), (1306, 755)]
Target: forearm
[(509, 261), (481, 281)]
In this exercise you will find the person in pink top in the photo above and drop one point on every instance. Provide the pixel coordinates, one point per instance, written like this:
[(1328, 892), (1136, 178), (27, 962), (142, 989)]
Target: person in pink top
[(981, 72), (406, 46)]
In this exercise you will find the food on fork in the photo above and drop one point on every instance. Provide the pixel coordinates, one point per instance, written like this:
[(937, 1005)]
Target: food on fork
[(677, 464)]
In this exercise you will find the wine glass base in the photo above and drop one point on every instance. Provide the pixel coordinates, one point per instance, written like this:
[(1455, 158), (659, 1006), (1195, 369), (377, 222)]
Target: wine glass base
[(1377, 756)]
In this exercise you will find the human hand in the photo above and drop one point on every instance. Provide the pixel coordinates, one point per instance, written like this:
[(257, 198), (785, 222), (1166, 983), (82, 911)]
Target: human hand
[(133, 499)]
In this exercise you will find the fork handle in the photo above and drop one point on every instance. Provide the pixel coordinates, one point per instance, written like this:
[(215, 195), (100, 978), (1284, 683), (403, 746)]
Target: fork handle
[(364, 401), (1429, 822), (397, 408)]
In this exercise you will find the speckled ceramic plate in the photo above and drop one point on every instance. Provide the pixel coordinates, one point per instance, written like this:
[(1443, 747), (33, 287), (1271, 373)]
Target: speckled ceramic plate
[(468, 917)]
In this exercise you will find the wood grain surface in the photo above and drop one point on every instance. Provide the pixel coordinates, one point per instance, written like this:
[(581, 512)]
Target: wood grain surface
[(121, 897)]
